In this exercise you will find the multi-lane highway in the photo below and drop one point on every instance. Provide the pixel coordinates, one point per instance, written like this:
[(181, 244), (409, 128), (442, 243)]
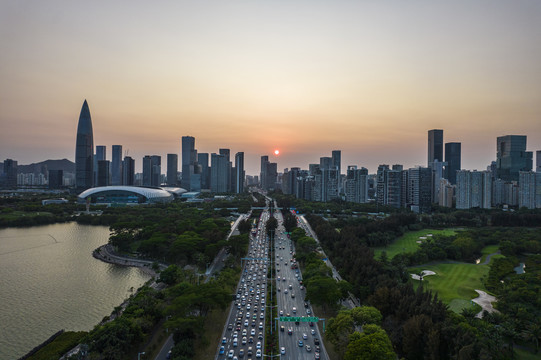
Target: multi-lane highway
[(243, 334), (300, 340)]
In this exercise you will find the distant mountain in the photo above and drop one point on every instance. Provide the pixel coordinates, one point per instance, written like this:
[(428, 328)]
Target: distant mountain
[(64, 164)]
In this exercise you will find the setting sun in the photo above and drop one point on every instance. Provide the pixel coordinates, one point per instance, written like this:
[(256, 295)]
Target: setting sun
[(276, 152)]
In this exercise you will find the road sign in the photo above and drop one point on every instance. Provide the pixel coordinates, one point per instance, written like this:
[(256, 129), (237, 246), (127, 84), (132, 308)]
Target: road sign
[(298, 318)]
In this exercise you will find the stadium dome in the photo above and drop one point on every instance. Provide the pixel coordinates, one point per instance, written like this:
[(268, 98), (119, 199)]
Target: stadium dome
[(125, 195)]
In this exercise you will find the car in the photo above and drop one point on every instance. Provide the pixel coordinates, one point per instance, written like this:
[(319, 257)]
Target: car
[(292, 295), (308, 311), (258, 353), (301, 344), (258, 345), (244, 340), (241, 352), (260, 325), (244, 332), (235, 342), (282, 328), (313, 332), (304, 336), (230, 354), (283, 350), (316, 341), (222, 350), (308, 348), (230, 327), (260, 336), (245, 322), (281, 312), (285, 291), (305, 304), (261, 316), (316, 356), (290, 331), (250, 340), (311, 324), (224, 340)]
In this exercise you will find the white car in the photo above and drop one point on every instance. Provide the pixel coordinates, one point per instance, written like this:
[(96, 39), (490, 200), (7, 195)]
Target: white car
[(258, 345), (230, 354), (258, 354), (283, 350)]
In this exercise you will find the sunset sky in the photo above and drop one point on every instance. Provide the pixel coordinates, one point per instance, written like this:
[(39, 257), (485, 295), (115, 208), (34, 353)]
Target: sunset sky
[(306, 77)]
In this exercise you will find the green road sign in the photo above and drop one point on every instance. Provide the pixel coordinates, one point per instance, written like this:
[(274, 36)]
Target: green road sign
[(298, 318)]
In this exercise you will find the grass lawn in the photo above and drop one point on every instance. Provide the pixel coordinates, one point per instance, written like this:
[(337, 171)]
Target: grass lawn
[(17, 214), (455, 283), (408, 242), (526, 355), (490, 249)]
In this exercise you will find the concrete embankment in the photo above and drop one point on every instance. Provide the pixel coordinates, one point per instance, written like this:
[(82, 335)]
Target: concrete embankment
[(105, 253)]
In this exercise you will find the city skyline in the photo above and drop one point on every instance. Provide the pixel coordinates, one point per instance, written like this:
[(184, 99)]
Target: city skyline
[(305, 78)]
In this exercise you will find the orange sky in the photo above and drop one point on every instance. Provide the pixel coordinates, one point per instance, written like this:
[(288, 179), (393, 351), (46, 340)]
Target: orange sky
[(306, 77)]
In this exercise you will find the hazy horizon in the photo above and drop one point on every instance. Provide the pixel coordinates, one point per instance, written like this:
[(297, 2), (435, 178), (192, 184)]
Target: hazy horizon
[(304, 77)]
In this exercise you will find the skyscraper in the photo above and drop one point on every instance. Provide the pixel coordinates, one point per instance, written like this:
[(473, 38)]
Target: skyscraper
[(435, 146), (188, 160), (10, 171), (116, 165), (203, 162), (103, 172), (100, 154), (239, 172), (151, 170), (263, 173), (538, 161), (84, 151), (512, 157), (230, 175), (128, 171), (218, 173), (453, 160), (172, 169), (337, 160)]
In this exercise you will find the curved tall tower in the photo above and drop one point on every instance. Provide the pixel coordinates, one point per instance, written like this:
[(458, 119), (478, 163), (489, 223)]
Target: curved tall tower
[(84, 151)]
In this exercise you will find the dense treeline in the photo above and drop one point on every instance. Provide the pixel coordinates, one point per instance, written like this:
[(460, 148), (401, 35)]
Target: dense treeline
[(418, 323)]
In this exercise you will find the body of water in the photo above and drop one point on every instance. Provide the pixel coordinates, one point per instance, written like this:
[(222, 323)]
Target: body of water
[(49, 281)]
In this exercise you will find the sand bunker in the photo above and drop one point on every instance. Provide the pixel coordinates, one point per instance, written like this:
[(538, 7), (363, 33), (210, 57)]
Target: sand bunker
[(419, 242), (485, 301), (423, 274), (422, 237)]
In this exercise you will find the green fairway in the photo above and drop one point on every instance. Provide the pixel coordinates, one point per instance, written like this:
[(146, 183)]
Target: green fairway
[(455, 283), (408, 241)]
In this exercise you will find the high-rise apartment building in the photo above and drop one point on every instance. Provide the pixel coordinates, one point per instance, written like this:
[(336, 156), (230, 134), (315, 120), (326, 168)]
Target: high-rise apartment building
[(512, 157), (419, 189), (128, 171), (239, 172), (172, 169), (84, 151), (263, 173), (446, 193), (473, 189), (188, 160), (453, 159), (529, 189), (325, 163), (116, 165), (538, 161), (435, 146), (356, 184)]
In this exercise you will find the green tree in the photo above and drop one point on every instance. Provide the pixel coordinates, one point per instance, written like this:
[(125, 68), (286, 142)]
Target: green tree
[(366, 315), (339, 329), (372, 344), (323, 291)]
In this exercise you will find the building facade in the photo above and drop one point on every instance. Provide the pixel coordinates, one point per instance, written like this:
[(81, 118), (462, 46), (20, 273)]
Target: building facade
[(84, 151)]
